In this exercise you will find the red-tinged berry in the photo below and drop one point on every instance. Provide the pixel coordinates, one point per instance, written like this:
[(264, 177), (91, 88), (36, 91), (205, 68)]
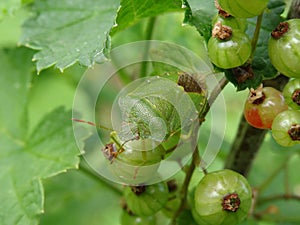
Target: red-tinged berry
[(262, 106)]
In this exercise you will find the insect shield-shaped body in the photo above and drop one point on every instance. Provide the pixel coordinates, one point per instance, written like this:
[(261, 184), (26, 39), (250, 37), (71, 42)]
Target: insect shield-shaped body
[(153, 113)]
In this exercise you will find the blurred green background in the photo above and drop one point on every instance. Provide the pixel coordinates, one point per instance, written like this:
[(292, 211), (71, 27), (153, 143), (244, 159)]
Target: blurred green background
[(78, 198)]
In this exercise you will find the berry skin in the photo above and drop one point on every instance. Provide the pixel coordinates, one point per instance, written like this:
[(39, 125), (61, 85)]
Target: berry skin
[(291, 93), (222, 197), (243, 8), (146, 200), (262, 106), (228, 48), (286, 128), (284, 48), (128, 219)]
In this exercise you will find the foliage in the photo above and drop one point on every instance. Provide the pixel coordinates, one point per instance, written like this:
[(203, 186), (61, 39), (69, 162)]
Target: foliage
[(69, 36), (27, 157)]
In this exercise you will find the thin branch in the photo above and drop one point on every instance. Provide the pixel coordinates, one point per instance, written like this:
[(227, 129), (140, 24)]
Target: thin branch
[(184, 189), (213, 96), (265, 200), (196, 159), (271, 177), (217, 90)]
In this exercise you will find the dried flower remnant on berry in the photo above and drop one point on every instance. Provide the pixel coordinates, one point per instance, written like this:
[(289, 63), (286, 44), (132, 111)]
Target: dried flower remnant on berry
[(257, 96), (280, 30), (221, 32), (296, 96), (138, 190), (231, 202), (294, 132)]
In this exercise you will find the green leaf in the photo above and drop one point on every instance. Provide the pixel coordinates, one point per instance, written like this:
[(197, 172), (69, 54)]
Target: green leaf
[(74, 196), (261, 62), (26, 158), (8, 7), (131, 11), (65, 31), (200, 15)]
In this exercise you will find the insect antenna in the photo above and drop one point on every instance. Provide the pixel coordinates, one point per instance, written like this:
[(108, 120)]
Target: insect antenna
[(93, 124)]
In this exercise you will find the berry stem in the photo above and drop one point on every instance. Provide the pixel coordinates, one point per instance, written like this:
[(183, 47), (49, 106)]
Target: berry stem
[(149, 34), (256, 35)]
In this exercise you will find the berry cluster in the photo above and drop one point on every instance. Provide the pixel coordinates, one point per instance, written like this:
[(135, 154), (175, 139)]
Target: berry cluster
[(221, 197), (268, 108), (230, 48), (225, 196)]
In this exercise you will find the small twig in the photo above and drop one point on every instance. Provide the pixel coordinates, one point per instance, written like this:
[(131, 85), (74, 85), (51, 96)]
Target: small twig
[(265, 200), (269, 179)]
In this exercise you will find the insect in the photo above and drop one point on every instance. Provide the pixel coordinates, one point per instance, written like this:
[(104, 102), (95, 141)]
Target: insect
[(113, 148)]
